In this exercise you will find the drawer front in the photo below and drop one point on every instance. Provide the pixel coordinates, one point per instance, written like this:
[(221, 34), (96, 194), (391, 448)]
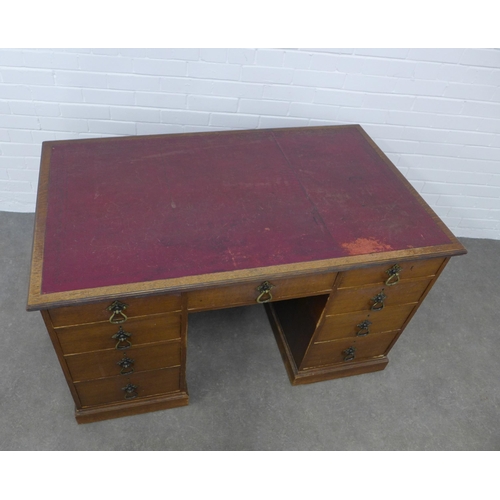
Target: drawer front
[(113, 389), (352, 324), (112, 362), (98, 336), (379, 274), (92, 313), (249, 293), (337, 351), (363, 298)]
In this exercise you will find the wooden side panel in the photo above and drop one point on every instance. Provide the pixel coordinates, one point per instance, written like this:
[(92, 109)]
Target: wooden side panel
[(297, 319), (60, 356)]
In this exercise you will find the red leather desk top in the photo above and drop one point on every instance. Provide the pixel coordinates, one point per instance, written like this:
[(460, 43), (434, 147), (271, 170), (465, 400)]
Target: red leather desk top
[(138, 209)]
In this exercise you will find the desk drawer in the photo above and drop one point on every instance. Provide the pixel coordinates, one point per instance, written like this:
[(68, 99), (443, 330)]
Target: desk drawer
[(351, 324), (133, 387), (379, 274), (112, 362), (339, 351), (85, 338), (92, 313), (364, 298), (249, 293)]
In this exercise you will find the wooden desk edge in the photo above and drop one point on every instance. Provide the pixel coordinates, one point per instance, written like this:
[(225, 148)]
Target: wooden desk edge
[(37, 300)]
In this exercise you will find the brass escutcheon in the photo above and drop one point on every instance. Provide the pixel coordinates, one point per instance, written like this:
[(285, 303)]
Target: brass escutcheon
[(349, 353), (117, 316), (393, 273), (125, 363), (130, 391), (364, 328), (123, 339), (265, 292), (378, 301)]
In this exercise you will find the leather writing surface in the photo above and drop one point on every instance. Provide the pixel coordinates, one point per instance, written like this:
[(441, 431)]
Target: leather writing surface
[(127, 210), (361, 202)]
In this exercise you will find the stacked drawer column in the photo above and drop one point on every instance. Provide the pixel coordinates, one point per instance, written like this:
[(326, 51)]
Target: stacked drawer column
[(361, 320), (122, 356)]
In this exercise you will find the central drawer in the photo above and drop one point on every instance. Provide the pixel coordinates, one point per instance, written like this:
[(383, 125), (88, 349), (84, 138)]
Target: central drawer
[(136, 331), (136, 386), (254, 292)]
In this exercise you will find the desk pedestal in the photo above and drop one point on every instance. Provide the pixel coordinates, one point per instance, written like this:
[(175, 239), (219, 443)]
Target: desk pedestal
[(124, 357)]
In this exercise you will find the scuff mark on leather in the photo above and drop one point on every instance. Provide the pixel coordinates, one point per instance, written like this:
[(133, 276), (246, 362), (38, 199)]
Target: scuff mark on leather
[(365, 245)]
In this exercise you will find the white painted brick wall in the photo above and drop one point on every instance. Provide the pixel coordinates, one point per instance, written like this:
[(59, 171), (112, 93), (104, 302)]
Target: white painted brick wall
[(434, 112)]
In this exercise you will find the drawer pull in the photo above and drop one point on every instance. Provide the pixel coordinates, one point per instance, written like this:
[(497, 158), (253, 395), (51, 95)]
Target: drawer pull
[(364, 328), (378, 301), (124, 364), (349, 353), (393, 273), (123, 339), (265, 292), (117, 316), (130, 391)]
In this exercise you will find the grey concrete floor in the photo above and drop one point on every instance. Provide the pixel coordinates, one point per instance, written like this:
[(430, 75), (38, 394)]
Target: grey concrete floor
[(440, 391)]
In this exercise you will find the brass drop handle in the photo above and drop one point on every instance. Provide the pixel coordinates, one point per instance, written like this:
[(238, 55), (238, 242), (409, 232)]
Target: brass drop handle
[(364, 328), (378, 301), (265, 292), (122, 338), (130, 391), (117, 314), (124, 364), (393, 273), (349, 353)]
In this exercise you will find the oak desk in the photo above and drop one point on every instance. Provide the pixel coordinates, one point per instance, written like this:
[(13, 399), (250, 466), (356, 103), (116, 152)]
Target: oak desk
[(134, 233)]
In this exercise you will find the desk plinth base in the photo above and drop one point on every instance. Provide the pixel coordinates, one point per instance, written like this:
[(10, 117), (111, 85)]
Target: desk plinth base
[(89, 415), (320, 373)]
